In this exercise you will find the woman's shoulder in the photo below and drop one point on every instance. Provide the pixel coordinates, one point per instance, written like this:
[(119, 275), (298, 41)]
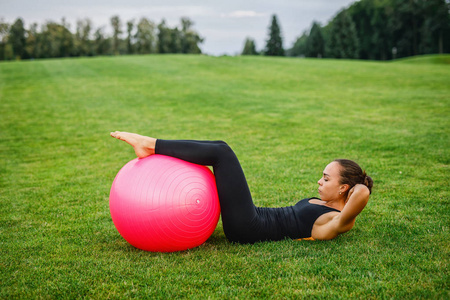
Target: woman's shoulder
[(322, 204)]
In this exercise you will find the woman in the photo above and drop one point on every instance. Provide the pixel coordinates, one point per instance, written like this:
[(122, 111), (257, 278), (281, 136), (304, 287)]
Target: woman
[(344, 189)]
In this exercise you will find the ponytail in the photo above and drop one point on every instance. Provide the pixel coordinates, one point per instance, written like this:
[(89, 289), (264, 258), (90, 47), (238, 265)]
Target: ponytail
[(352, 174), (368, 181)]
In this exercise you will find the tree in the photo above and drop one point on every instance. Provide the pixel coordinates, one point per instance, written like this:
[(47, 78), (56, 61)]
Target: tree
[(130, 27), (117, 31), (67, 43), (4, 34), (274, 45), (380, 37), (374, 38), (31, 41), (175, 41), (411, 27), (164, 38), (249, 47), (361, 13), (342, 37), (102, 44), (315, 45), (50, 42), (17, 38), (299, 47), (82, 35), (436, 26), (189, 38), (145, 37), (405, 21)]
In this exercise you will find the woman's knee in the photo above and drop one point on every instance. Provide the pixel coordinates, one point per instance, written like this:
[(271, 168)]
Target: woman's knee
[(222, 148)]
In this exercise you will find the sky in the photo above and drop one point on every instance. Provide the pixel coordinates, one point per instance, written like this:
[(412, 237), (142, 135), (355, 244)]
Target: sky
[(224, 25)]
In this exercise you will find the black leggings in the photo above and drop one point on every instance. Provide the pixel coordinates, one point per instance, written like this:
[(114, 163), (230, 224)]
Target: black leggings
[(240, 218)]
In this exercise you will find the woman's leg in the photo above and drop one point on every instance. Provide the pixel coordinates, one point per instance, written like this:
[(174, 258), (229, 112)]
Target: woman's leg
[(237, 208), (239, 217)]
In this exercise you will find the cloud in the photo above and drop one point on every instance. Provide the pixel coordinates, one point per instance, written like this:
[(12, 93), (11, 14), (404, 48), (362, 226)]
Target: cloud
[(243, 14)]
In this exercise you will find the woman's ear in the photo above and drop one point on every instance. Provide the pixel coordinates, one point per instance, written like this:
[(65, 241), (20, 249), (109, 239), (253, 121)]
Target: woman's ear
[(344, 188)]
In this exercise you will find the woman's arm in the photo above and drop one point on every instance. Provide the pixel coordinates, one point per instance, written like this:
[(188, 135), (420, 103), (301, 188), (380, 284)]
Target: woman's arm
[(342, 222), (357, 199)]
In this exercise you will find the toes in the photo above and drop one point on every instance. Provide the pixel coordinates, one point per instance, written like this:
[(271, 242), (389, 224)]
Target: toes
[(115, 134)]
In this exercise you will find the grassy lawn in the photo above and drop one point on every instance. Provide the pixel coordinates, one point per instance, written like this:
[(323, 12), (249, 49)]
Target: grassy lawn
[(286, 119)]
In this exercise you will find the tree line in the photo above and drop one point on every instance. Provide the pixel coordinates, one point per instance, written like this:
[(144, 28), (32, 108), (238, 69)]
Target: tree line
[(371, 29), (367, 29), (56, 40)]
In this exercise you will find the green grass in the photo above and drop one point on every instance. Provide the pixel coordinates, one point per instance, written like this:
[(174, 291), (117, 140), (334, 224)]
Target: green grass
[(426, 59), (286, 119)]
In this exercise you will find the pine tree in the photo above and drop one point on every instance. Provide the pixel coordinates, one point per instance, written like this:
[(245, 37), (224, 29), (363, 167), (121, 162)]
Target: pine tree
[(436, 26), (315, 45), (274, 45), (343, 38), (299, 47), (380, 37), (249, 47)]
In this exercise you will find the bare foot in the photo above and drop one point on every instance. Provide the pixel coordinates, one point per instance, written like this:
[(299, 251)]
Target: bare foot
[(143, 145)]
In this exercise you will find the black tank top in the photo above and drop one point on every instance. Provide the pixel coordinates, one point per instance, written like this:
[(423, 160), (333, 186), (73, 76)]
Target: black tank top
[(295, 222)]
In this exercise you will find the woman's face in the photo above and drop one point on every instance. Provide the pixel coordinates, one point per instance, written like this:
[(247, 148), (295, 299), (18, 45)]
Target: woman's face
[(329, 184)]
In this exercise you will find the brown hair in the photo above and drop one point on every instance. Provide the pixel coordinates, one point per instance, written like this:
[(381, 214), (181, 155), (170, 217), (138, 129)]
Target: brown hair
[(352, 174)]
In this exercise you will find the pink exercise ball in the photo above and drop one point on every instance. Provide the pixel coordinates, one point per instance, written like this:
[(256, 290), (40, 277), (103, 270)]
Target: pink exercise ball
[(164, 204)]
